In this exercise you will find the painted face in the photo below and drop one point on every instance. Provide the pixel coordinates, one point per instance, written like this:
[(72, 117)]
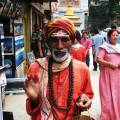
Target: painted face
[(59, 43), (114, 38), (59, 40)]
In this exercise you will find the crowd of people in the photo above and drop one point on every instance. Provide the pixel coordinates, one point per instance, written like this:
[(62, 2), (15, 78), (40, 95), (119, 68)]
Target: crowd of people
[(60, 83)]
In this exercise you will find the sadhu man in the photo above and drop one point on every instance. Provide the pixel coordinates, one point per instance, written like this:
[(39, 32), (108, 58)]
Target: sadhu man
[(56, 84)]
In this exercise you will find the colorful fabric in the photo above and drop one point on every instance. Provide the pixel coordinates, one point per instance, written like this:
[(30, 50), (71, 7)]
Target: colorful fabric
[(61, 87), (60, 24), (87, 44), (78, 52), (109, 87)]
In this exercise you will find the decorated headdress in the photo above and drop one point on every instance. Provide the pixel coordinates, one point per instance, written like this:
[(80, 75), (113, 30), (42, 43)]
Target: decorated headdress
[(60, 24)]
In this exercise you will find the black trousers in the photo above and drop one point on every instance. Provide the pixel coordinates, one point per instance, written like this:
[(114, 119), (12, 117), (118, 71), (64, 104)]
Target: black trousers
[(94, 63)]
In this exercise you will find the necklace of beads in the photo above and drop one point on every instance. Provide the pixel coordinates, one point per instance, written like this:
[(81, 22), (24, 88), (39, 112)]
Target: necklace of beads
[(51, 91)]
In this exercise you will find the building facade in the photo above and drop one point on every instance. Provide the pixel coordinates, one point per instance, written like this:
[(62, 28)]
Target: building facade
[(80, 9), (17, 18)]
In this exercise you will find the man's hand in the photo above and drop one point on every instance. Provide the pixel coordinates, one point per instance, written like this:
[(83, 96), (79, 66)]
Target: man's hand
[(32, 89), (84, 102)]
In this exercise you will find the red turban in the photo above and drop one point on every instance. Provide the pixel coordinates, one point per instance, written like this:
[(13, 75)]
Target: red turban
[(60, 24)]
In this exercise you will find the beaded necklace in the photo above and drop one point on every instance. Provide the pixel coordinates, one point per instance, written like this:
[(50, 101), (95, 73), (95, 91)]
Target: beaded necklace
[(51, 91)]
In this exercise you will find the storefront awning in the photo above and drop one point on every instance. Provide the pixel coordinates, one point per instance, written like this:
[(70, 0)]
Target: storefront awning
[(11, 9)]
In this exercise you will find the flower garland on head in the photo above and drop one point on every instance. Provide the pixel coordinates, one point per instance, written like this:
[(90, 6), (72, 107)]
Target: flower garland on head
[(51, 90)]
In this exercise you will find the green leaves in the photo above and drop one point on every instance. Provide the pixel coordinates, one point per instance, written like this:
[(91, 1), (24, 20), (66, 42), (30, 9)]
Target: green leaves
[(105, 13)]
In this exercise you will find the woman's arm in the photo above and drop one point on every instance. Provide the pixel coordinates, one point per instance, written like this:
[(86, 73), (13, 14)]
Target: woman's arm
[(104, 63)]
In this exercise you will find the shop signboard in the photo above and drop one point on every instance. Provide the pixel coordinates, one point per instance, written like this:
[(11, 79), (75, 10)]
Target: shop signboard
[(19, 44), (19, 50)]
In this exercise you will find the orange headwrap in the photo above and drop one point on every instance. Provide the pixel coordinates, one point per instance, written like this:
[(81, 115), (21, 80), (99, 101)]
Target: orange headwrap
[(60, 24)]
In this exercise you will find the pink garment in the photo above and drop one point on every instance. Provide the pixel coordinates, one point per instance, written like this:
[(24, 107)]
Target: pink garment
[(109, 87), (87, 44)]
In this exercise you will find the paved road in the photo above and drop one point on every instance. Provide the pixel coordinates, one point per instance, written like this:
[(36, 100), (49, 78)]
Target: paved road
[(95, 109), (16, 104)]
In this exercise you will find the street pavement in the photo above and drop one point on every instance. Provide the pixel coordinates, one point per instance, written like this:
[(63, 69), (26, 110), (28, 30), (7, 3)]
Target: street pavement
[(16, 102)]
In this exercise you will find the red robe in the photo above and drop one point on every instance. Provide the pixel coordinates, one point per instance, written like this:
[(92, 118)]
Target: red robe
[(78, 53), (82, 84)]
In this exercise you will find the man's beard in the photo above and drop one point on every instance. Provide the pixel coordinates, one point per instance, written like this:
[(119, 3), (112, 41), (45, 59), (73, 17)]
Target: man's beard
[(60, 55)]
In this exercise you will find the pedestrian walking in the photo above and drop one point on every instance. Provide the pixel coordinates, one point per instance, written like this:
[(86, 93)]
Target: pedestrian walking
[(87, 44), (36, 42), (109, 59), (97, 40), (56, 84), (77, 50)]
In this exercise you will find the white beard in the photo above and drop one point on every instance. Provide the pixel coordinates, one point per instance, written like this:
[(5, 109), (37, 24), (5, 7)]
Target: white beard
[(60, 55)]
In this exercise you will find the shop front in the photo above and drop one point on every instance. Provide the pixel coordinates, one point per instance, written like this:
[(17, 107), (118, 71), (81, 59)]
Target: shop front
[(17, 18), (12, 55), (12, 36)]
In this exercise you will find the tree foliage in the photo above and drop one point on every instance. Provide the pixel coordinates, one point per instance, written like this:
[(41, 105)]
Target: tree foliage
[(105, 14)]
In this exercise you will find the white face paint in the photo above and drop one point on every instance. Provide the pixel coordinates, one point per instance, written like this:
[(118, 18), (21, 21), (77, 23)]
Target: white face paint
[(60, 55), (60, 33)]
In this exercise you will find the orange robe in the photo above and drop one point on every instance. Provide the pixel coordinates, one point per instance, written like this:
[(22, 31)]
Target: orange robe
[(82, 84), (79, 53)]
